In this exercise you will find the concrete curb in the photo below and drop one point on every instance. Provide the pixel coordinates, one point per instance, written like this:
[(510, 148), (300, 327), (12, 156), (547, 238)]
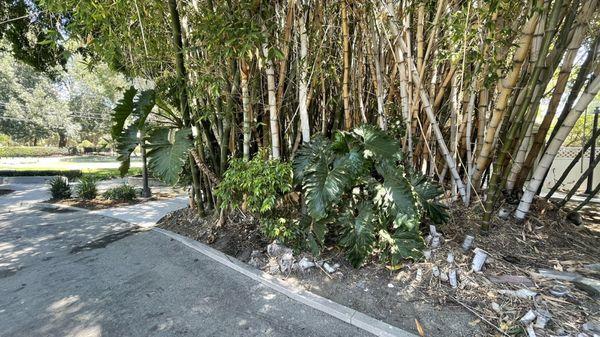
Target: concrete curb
[(317, 302), (322, 304)]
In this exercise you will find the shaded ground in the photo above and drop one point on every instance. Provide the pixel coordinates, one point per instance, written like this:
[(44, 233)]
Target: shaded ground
[(480, 305), (365, 289), (77, 274), (5, 191)]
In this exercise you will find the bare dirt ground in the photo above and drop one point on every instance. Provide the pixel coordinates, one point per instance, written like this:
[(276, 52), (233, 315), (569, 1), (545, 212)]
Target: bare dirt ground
[(419, 293)]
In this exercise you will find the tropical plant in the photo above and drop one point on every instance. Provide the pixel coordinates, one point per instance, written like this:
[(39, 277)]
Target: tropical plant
[(168, 144), (256, 184), (86, 189), (60, 188), (358, 192), (124, 192)]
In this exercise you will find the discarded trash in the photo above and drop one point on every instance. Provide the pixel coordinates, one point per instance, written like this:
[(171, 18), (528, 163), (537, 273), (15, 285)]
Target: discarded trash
[(479, 259), (434, 237), (427, 254), (511, 279), (559, 291), (390, 285), (452, 277), (328, 268), (504, 214), (450, 257), (468, 243), (435, 242), (496, 307), (543, 316), (530, 331), (592, 327), (285, 262), (521, 293), (305, 263), (435, 271), (275, 249), (528, 317), (433, 230)]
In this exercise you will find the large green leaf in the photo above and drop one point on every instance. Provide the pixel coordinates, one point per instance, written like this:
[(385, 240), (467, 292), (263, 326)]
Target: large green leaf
[(377, 142), (401, 245), (166, 158), (126, 143), (325, 183), (308, 154), (396, 196), (427, 192), (122, 110), (144, 103), (358, 235)]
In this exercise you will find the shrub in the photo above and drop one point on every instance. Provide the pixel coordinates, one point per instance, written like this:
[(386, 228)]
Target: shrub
[(60, 188), (358, 193), (5, 140), (255, 184), (32, 151), (121, 193), (69, 174), (87, 188)]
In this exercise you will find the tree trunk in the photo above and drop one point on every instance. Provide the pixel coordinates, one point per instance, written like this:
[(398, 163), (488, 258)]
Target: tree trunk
[(346, 61), (272, 105), (303, 73), (507, 85), (62, 139), (553, 147), (244, 70), (428, 110)]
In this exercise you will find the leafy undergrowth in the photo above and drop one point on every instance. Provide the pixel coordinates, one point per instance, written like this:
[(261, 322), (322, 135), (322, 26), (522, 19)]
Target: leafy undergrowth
[(402, 293)]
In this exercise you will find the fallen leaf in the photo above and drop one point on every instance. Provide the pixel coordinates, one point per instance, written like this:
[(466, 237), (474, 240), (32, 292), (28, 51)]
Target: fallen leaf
[(475, 322), (420, 328)]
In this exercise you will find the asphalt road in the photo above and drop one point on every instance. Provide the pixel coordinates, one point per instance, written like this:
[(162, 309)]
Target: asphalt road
[(79, 274)]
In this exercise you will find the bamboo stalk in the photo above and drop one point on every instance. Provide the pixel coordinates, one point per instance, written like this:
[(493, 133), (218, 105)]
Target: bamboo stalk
[(552, 150)]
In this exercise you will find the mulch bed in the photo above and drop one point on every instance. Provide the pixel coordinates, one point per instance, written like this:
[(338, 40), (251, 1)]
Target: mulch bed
[(5, 191), (98, 203), (410, 293)]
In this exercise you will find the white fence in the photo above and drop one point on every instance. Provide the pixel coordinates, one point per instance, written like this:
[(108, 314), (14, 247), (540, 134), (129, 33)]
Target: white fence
[(562, 160)]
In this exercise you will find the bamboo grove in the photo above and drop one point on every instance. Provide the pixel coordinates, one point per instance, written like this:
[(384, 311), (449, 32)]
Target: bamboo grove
[(458, 83)]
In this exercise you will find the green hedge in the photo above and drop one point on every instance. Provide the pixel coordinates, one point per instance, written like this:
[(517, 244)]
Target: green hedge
[(32, 151), (70, 174)]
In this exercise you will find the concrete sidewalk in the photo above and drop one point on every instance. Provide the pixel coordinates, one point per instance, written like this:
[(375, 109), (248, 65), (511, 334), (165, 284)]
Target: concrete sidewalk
[(71, 273)]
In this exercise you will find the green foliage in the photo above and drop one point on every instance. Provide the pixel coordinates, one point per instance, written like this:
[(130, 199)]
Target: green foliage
[(167, 157), (256, 183), (285, 229), (105, 174), (60, 188), (121, 193), (5, 140), (138, 106), (69, 174), (32, 151), (86, 143), (357, 192), (86, 189)]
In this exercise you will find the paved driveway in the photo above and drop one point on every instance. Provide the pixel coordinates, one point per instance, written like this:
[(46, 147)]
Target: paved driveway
[(71, 273)]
